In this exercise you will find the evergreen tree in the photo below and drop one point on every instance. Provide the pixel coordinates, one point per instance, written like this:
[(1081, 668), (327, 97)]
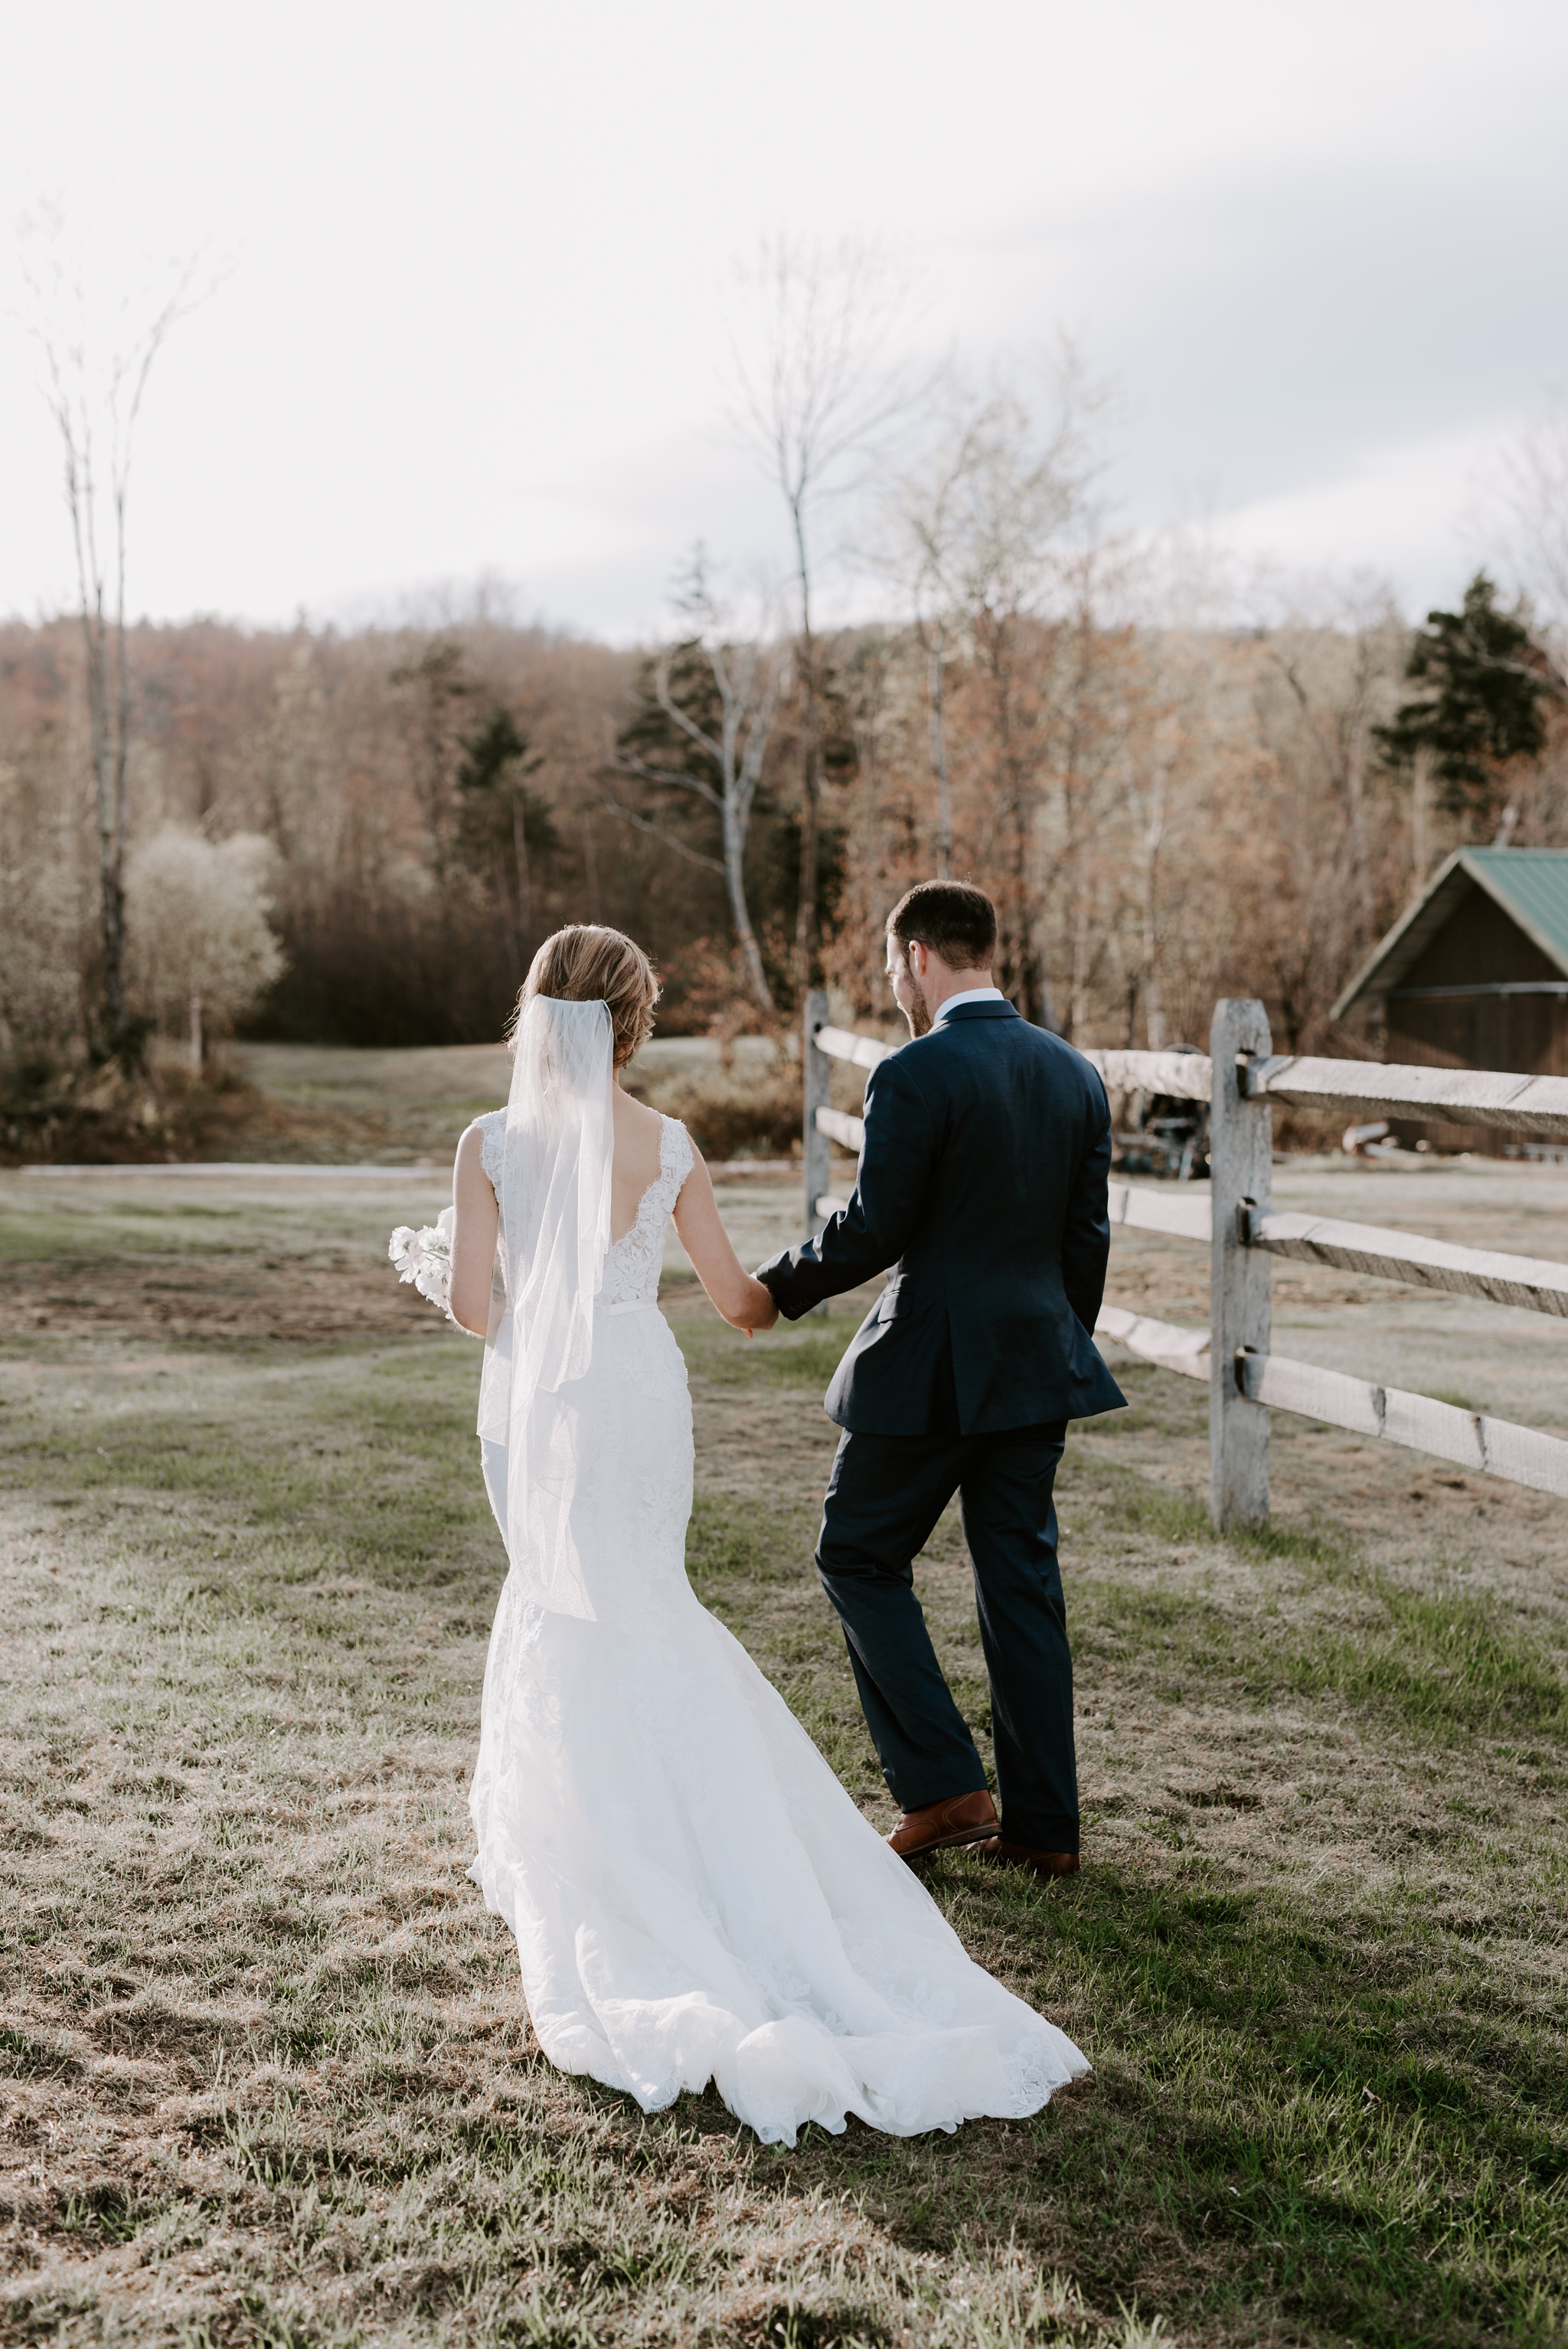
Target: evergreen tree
[(441, 686), (503, 829), (1481, 683)]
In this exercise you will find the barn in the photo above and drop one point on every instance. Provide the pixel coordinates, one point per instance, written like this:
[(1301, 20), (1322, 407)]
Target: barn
[(1475, 974)]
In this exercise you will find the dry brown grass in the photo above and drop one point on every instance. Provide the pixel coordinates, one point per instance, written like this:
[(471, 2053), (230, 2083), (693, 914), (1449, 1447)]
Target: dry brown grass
[(266, 2074)]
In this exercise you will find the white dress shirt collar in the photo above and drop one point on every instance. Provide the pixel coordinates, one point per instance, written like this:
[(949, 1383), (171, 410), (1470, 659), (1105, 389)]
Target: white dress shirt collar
[(970, 995)]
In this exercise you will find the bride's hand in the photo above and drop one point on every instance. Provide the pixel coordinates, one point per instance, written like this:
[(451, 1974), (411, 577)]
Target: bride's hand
[(756, 1311)]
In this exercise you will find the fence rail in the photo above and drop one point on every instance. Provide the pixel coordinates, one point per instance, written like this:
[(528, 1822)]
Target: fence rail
[(1537, 1106), (1473, 1439), (1242, 1231), (1382, 1254)]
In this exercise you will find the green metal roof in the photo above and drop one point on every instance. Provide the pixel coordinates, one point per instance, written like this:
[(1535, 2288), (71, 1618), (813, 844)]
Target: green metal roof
[(1530, 884)]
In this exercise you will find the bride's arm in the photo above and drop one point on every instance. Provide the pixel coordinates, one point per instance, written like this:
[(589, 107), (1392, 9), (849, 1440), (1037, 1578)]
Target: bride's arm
[(741, 1300), (476, 1222)]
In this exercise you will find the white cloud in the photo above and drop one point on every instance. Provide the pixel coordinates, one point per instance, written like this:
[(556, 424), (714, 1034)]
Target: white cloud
[(1397, 512), (475, 319)]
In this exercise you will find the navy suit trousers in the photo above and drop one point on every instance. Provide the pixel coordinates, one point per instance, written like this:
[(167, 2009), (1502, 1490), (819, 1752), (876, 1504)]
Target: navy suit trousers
[(884, 1497)]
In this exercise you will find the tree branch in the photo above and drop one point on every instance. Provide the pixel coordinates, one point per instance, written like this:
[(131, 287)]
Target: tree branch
[(671, 777), (666, 839), (678, 717)]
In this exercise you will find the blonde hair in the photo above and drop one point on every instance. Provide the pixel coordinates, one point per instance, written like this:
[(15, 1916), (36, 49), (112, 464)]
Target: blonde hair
[(585, 963)]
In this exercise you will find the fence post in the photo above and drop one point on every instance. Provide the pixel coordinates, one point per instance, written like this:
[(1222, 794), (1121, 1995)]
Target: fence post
[(1241, 1163), (815, 1068)]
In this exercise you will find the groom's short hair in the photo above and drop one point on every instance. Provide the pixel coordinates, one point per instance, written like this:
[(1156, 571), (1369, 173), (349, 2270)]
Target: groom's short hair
[(950, 918)]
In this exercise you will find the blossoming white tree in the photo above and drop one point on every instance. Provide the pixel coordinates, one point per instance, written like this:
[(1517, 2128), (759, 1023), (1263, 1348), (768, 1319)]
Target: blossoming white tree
[(201, 948)]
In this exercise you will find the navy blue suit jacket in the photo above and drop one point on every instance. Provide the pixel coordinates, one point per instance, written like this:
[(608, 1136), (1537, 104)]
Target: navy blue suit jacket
[(983, 1184)]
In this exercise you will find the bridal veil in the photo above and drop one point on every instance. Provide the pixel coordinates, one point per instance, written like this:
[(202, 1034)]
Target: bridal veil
[(555, 1225)]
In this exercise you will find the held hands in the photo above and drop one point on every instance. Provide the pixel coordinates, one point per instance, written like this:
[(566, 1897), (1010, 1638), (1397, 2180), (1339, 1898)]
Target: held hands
[(754, 1310)]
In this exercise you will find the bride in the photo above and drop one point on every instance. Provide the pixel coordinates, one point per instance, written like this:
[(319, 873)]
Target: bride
[(695, 1896)]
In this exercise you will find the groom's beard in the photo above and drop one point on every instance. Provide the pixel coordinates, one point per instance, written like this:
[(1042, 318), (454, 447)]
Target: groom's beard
[(918, 1014)]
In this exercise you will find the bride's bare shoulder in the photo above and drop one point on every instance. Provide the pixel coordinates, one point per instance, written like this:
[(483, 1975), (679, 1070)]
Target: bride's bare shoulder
[(632, 1116), (634, 1112), (639, 1132)]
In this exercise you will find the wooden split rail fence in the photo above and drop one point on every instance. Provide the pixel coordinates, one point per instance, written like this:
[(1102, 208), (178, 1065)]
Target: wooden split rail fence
[(1240, 1081)]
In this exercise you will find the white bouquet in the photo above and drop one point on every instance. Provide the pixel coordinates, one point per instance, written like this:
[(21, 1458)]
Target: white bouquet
[(425, 1257)]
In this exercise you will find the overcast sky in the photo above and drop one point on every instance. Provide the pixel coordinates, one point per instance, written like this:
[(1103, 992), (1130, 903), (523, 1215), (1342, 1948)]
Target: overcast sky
[(473, 318)]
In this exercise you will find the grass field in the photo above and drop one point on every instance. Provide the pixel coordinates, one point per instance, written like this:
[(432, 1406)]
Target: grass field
[(266, 2071), (340, 1105)]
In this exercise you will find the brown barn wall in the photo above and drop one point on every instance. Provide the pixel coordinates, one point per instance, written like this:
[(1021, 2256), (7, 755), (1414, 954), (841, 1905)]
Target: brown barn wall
[(1482, 945), (1479, 942)]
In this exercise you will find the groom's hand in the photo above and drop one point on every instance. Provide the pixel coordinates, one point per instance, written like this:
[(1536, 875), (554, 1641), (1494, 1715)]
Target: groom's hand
[(761, 1308)]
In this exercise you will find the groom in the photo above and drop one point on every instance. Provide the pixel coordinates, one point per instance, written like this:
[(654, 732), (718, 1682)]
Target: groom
[(983, 1184)]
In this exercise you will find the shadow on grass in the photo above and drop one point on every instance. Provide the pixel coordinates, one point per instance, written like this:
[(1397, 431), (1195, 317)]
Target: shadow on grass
[(1292, 2112)]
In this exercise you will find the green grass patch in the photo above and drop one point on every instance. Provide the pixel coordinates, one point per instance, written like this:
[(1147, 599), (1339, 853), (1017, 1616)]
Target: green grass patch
[(269, 2073), (1443, 1663), (778, 1358)]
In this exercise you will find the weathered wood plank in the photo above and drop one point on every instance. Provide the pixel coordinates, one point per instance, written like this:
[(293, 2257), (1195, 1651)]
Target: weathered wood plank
[(1521, 1456), (1493, 1447), (1534, 1282), (844, 1044), (1241, 1168), (1186, 1350), (842, 1127), (1182, 1214), (1185, 1076), (816, 1071), (1285, 1385), (1490, 1097), (829, 1205), (1181, 1217)]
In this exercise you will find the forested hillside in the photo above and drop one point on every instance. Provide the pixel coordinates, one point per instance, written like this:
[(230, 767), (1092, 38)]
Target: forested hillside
[(1163, 814)]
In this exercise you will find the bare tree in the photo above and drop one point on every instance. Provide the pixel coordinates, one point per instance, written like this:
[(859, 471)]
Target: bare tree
[(96, 408), (913, 545), (992, 519), (1526, 512), (967, 534), (816, 395), (1152, 830), (1341, 682), (716, 740)]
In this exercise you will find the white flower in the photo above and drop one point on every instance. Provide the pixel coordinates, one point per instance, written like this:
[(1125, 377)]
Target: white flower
[(425, 1257)]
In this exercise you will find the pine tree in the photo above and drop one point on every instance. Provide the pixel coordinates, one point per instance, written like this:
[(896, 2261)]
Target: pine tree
[(502, 826), (1480, 686)]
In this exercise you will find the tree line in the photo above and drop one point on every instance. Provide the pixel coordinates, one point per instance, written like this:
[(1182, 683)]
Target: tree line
[(360, 836), (1163, 813)]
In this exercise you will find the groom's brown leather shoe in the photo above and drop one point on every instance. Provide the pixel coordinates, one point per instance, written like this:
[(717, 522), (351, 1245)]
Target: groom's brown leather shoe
[(1008, 1854), (940, 1826)]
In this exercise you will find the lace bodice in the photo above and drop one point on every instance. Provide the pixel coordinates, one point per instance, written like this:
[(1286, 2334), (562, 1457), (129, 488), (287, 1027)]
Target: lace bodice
[(631, 1267)]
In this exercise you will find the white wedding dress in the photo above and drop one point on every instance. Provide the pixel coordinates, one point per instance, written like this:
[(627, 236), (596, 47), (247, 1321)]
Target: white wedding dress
[(694, 1894)]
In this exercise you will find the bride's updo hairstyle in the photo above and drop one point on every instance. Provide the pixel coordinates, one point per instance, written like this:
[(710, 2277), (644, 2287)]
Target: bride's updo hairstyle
[(585, 963)]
